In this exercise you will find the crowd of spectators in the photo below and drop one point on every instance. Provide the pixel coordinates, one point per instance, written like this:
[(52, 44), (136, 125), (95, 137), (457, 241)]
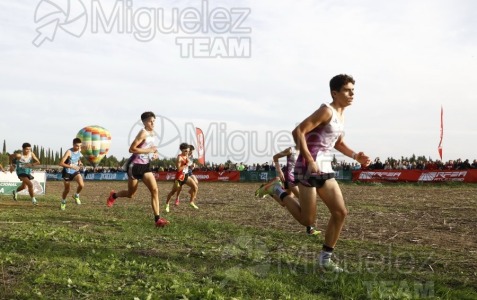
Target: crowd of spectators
[(420, 164), (377, 164), (389, 164)]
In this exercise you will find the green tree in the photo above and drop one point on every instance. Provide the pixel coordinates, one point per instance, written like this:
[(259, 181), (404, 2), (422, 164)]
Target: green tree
[(49, 160), (4, 147), (42, 156), (422, 158), (4, 159), (57, 158), (113, 162)]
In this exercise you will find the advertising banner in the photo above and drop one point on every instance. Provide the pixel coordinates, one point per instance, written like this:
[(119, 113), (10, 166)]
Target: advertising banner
[(9, 182), (203, 176), (200, 146), (415, 176)]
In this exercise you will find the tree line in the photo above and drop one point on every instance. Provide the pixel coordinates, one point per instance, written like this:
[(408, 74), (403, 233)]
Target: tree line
[(51, 159)]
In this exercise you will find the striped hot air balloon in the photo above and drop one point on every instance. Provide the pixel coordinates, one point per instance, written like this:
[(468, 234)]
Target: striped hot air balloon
[(95, 143)]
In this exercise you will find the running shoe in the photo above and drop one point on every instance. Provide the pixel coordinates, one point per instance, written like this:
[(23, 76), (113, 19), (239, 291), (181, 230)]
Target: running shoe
[(330, 266), (313, 231), (267, 189), (77, 199), (63, 205), (167, 207), (176, 203), (256, 192), (162, 222), (111, 199), (193, 205), (33, 200)]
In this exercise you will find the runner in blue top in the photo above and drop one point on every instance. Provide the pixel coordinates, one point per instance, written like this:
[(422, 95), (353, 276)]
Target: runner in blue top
[(22, 162), (71, 163)]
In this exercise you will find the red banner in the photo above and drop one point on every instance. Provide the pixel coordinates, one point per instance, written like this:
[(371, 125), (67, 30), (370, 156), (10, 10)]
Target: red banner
[(200, 146), (415, 176), (202, 176)]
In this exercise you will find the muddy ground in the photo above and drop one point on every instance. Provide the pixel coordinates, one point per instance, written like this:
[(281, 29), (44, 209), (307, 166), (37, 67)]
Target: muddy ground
[(442, 217)]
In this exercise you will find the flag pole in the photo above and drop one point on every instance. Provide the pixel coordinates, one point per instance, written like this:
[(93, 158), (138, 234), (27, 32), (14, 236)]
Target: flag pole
[(439, 148)]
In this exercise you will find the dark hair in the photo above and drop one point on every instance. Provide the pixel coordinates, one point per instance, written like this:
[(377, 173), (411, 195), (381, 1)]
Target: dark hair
[(184, 146), (146, 115), (191, 147), (26, 145), (76, 141), (337, 82)]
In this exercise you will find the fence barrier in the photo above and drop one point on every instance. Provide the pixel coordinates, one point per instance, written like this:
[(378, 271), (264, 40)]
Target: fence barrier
[(225, 176)]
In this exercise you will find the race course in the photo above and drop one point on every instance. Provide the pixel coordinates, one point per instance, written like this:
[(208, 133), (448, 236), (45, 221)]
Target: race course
[(399, 242)]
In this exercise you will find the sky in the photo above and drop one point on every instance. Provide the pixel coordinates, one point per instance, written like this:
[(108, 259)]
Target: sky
[(245, 73)]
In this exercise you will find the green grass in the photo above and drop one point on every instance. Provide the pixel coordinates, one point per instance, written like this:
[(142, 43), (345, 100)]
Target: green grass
[(93, 252)]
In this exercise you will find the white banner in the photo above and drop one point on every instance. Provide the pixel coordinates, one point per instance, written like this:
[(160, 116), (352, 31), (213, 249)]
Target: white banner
[(9, 182)]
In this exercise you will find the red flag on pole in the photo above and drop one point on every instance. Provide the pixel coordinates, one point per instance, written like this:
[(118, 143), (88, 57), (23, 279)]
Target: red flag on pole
[(200, 146), (439, 148)]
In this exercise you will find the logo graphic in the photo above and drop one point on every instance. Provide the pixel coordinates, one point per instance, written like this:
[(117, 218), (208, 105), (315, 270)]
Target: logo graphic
[(69, 15), (264, 176), (245, 248), (388, 176), (37, 189), (202, 30), (443, 176), (165, 130)]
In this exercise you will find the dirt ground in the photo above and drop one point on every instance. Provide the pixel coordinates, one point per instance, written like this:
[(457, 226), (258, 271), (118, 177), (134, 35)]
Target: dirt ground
[(442, 217)]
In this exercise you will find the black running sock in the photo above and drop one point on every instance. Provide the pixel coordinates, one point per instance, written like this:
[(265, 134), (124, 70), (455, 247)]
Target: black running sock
[(157, 218), (115, 196), (308, 229), (327, 249)]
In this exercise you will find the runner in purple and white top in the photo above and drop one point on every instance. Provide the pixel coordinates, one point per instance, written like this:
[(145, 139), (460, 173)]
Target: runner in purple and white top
[(321, 141), (138, 167), (316, 136)]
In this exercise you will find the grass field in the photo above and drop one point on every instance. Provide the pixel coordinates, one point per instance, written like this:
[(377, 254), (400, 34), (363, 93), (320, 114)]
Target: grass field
[(399, 242)]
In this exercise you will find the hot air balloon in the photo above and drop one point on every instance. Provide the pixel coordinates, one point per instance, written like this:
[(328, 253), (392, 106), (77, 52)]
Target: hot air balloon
[(95, 143)]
